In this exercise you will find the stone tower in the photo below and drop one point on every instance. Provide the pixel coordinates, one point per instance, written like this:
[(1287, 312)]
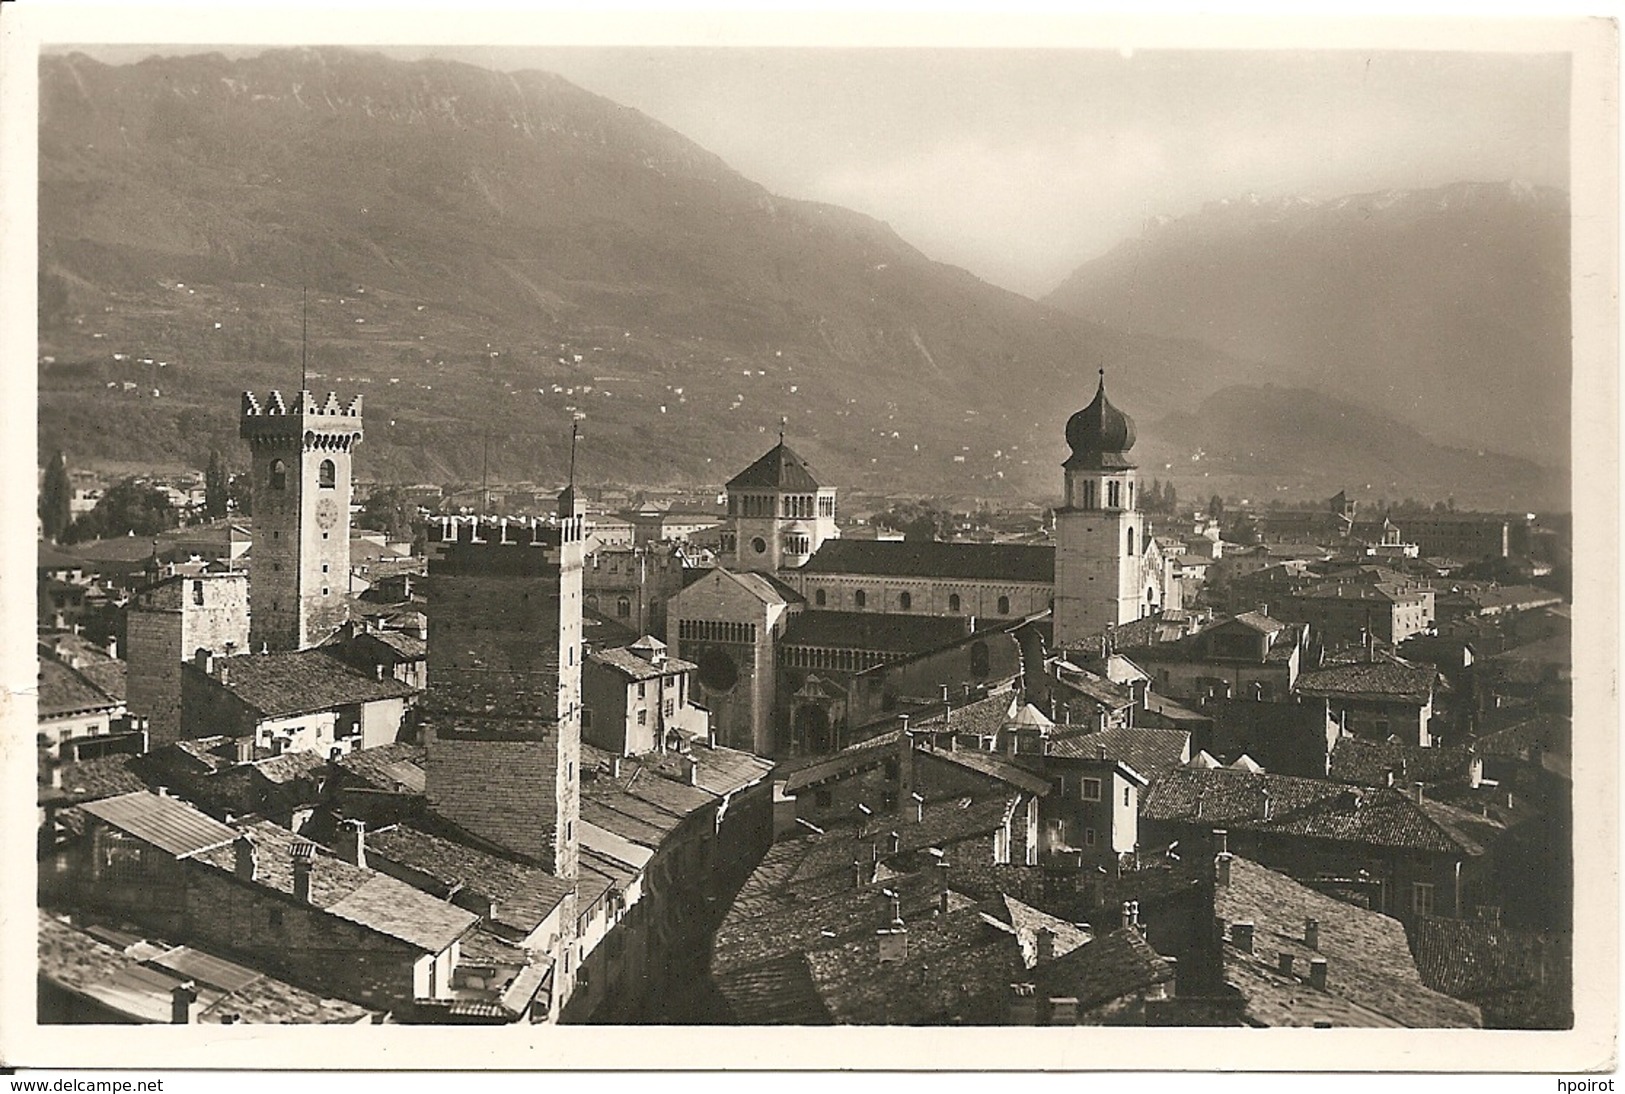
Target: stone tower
[(502, 712), (301, 496), (1099, 529), (778, 515)]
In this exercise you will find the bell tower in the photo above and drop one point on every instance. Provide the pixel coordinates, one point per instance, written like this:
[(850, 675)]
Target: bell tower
[(778, 514), (1099, 529), (300, 487)]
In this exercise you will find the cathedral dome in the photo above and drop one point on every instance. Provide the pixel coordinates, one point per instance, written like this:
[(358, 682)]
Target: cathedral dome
[(1100, 433)]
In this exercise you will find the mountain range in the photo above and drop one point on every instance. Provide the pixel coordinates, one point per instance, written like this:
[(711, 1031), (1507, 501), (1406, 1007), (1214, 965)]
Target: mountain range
[(485, 256), (1447, 308)]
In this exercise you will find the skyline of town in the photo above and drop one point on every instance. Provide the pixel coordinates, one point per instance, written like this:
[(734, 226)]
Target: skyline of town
[(533, 684)]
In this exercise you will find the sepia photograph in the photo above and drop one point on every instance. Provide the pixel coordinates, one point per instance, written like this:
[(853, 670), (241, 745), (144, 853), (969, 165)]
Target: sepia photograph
[(615, 527)]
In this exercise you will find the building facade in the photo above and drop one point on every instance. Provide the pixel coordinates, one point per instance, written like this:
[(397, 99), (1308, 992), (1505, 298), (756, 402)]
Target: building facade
[(301, 488)]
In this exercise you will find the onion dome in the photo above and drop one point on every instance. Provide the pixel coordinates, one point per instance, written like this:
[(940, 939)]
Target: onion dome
[(1100, 434)]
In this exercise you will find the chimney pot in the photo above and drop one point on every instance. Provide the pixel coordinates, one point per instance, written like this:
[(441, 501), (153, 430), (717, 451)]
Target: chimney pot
[(247, 866), (1241, 935), (301, 880), (1311, 933), (1285, 963), (1222, 868), (1100, 752), (1126, 914), (1317, 972), (1223, 836), (1044, 946), (355, 843), (894, 843), (1416, 792), (183, 1003)]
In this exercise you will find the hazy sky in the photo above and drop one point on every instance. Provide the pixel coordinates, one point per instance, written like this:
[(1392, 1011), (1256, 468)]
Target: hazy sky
[(1021, 164)]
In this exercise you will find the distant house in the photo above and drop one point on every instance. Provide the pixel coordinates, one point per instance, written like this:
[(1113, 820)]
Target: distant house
[(1250, 655), (1379, 696), (1343, 612), (265, 896), (634, 699), (72, 707), (1403, 853), (308, 700)]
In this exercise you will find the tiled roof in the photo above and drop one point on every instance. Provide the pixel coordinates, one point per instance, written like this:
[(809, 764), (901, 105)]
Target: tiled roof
[(1148, 751), (779, 468), (524, 895), (1257, 621), (290, 766), (856, 757), (102, 777), (1387, 679), (1160, 706), (1311, 808), (1551, 732), (718, 771), (116, 977), (779, 992), (167, 823), (1368, 958), (882, 632), (1002, 562), (407, 647), (1110, 967), (364, 897), (396, 766), (63, 691), (1368, 763), (1096, 688), (281, 684), (633, 667), (992, 766), (1520, 979)]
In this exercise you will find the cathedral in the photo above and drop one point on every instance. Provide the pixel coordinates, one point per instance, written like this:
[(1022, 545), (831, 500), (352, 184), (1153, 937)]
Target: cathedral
[(784, 628)]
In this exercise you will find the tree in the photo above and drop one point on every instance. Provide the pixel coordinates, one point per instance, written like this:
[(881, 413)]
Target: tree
[(1215, 507), (239, 495), (130, 508), (1170, 499), (390, 511), (216, 487), (55, 498)]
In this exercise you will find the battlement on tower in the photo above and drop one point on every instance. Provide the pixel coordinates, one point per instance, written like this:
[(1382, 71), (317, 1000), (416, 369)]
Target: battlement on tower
[(479, 540), (327, 425)]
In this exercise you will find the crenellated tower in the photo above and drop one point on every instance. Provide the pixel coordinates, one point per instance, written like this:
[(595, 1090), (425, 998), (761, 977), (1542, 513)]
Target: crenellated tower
[(502, 712), (301, 488), (1099, 528)]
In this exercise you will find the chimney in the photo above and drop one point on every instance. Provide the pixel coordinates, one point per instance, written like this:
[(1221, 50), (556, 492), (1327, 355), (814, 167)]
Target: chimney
[(1267, 804), (615, 767), (1126, 913), (1063, 1011), (942, 868), (301, 873), (1223, 836), (246, 865), (1044, 946), (862, 872), (1100, 752), (244, 749), (1311, 933), (183, 1004), (1222, 869), (1416, 792), (894, 843), (893, 942), (1023, 1005), (354, 845), (222, 671), (1285, 963), (203, 660), (691, 771), (1241, 935), (112, 648), (1317, 972), (919, 808)]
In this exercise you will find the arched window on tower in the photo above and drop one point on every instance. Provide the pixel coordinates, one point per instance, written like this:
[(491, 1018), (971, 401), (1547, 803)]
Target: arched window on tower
[(860, 598), (1131, 541), (905, 601), (953, 602), (1004, 605), (279, 475), (1113, 497), (623, 608), (1089, 494), (326, 475)]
